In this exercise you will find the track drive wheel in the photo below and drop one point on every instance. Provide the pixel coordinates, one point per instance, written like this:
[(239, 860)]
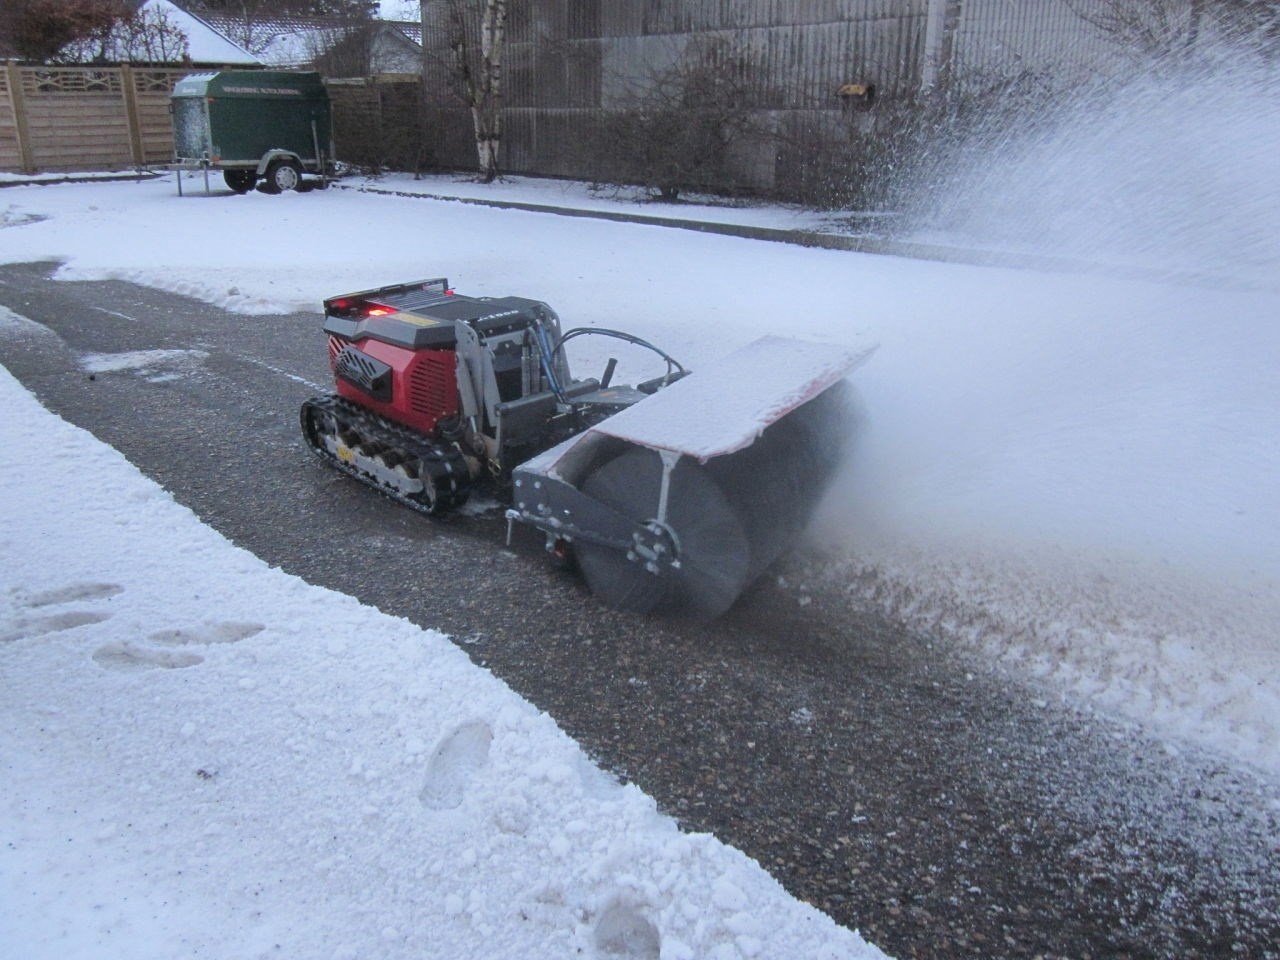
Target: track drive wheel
[(708, 537), (429, 497)]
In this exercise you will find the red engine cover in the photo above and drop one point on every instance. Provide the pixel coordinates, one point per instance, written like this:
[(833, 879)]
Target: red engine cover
[(424, 383)]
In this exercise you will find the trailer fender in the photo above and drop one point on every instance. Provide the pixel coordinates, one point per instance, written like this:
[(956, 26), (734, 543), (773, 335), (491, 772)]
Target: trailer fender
[(272, 155), (283, 172)]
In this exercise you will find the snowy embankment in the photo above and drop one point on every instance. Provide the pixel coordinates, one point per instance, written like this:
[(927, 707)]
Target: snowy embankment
[(204, 756), (1072, 474)]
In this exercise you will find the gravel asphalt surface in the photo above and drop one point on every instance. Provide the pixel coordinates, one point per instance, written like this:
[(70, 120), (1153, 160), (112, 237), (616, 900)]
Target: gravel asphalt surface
[(942, 808)]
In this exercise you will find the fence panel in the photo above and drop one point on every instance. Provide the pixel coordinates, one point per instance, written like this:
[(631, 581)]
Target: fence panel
[(379, 122), (64, 119), (76, 118), (152, 89), (84, 118)]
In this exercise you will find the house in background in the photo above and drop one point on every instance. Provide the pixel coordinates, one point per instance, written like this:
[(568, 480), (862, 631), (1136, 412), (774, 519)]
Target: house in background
[(335, 47), (160, 33), (206, 45)]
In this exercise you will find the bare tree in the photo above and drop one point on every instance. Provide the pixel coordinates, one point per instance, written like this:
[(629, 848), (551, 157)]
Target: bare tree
[(1256, 23), (477, 65), (1148, 28), (1159, 30), (342, 48), (685, 123), (253, 24), (137, 36), (40, 29), (243, 20)]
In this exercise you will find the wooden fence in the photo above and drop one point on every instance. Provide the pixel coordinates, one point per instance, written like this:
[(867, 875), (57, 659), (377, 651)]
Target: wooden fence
[(85, 118), (64, 119)]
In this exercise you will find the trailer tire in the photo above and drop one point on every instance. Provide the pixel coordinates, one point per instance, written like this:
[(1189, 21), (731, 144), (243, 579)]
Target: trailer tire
[(282, 174), (241, 181)]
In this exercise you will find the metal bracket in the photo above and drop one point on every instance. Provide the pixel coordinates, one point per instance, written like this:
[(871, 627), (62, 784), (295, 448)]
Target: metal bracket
[(669, 460)]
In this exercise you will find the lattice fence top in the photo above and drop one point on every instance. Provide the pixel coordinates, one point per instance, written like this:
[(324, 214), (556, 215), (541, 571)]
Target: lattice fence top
[(104, 80), (157, 81), (69, 80)]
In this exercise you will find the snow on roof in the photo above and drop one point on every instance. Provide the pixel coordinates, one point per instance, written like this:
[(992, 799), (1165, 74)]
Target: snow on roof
[(297, 41), (297, 46), (205, 44)]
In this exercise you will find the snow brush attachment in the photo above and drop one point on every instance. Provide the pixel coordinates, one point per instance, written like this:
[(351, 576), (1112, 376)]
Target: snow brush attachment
[(683, 499)]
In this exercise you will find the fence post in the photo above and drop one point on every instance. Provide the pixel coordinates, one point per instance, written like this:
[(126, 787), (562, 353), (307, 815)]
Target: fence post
[(131, 115), (18, 104)]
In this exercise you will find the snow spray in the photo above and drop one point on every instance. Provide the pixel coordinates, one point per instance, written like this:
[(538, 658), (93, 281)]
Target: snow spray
[(1175, 170), (1072, 472)]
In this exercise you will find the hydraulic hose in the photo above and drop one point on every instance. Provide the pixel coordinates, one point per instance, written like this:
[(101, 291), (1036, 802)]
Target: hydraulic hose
[(672, 362)]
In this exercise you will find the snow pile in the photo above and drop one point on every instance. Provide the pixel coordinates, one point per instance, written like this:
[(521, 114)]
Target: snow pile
[(203, 756), (1074, 477), (1188, 654)]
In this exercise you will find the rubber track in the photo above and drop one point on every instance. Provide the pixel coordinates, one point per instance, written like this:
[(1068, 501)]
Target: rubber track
[(444, 463)]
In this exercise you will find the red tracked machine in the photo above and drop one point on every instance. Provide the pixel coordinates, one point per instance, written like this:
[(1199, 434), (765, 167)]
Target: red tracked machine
[(674, 493)]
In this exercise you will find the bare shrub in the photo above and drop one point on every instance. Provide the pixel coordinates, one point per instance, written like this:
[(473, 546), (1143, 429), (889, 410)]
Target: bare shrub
[(684, 126), (907, 146)]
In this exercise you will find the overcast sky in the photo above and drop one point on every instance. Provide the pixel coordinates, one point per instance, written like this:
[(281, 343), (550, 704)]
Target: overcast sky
[(399, 9)]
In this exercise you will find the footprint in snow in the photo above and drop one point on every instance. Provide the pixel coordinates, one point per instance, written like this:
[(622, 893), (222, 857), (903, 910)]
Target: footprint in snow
[(73, 593), (623, 931), (227, 632), (122, 655), (24, 627), (458, 757)]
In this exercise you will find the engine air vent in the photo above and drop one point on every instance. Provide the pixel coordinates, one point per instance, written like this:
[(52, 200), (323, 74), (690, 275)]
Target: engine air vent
[(364, 373)]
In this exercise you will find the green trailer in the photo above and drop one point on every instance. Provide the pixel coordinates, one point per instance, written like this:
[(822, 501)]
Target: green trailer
[(253, 125)]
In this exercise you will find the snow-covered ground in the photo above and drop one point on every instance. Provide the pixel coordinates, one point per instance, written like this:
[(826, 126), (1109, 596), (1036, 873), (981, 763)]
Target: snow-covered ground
[(205, 757), (1072, 475)]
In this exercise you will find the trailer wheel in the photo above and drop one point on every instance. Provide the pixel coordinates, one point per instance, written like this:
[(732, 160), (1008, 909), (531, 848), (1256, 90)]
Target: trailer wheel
[(282, 174), (241, 181)]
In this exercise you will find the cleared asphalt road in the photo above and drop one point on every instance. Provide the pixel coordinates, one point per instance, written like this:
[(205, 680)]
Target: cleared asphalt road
[(917, 797)]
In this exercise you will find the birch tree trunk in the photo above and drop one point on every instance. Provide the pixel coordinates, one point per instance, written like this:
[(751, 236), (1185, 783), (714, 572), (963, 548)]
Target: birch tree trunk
[(480, 74), (487, 113)]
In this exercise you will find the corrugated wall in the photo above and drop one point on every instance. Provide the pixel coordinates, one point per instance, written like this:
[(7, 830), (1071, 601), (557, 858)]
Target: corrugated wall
[(569, 60), (1000, 38)]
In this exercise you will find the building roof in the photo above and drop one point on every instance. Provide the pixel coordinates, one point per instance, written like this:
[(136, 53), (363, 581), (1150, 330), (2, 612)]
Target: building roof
[(205, 43), (299, 41)]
